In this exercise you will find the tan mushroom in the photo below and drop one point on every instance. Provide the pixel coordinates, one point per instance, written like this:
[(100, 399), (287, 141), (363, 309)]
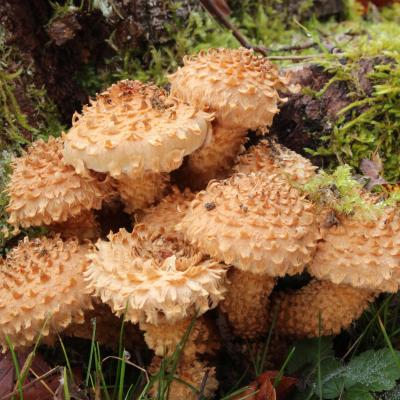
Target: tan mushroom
[(137, 134), (241, 89), (264, 228), (163, 218), (271, 157), (238, 85), (42, 289), (356, 260), (84, 226), (142, 190), (191, 374), (155, 281), (214, 160), (43, 190)]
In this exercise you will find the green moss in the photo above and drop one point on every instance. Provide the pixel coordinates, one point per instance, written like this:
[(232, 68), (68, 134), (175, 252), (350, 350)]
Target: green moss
[(340, 192), (17, 130), (371, 123)]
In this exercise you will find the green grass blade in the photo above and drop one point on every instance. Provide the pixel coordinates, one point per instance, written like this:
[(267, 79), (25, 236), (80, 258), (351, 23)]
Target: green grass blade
[(16, 366), (92, 345)]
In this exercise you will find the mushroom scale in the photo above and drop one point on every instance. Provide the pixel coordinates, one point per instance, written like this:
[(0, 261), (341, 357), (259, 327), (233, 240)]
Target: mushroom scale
[(238, 85), (321, 308), (133, 127), (271, 157), (43, 190), (42, 289), (258, 223)]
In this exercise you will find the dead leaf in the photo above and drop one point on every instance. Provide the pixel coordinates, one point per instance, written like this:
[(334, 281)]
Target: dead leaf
[(263, 388), (371, 170), (42, 389)]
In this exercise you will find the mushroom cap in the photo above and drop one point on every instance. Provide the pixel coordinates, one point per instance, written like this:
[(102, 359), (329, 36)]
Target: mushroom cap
[(320, 308), (271, 157), (142, 190), (43, 190), (257, 222), (42, 280), (133, 127), (238, 85), (152, 278), (361, 253), (162, 218)]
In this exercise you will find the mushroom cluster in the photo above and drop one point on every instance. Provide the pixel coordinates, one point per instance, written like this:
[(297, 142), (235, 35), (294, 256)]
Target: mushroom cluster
[(185, 252)]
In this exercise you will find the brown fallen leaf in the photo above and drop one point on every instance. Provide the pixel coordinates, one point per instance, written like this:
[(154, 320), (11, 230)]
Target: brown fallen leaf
[(263, 388), (41, 389)]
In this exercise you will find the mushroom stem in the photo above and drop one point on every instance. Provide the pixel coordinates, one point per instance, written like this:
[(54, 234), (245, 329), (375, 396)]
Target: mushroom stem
[(247, 303), (320, 308), (164, 337), (139, 191), (192, 375), (215, 159), (83, 226)]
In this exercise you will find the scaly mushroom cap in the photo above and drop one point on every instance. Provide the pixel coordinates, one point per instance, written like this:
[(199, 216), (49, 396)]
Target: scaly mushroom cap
[(43, 190), (162, 218), (239, 86), (215, 159), (141, 191), (191, 372), (361, 253), (319, 308), (257, 222), (84, 226), (272, 157), (156, 279), (133, 127), (41, 280)]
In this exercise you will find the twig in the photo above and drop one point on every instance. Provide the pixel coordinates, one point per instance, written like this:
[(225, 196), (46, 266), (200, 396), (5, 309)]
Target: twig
[(295, 57), (303, 46), (211, 7), (28, 385)]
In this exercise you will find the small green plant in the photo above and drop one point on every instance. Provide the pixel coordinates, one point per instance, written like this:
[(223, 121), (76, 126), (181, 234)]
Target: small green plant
[(370, 372)]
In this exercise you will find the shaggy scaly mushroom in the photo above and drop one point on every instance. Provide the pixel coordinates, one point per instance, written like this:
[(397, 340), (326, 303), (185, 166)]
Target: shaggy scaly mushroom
[(42, 289), (355, 260), (241, 88), (271, 157), (158, 282), (264, 228), (137, 134), (44, 191)]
